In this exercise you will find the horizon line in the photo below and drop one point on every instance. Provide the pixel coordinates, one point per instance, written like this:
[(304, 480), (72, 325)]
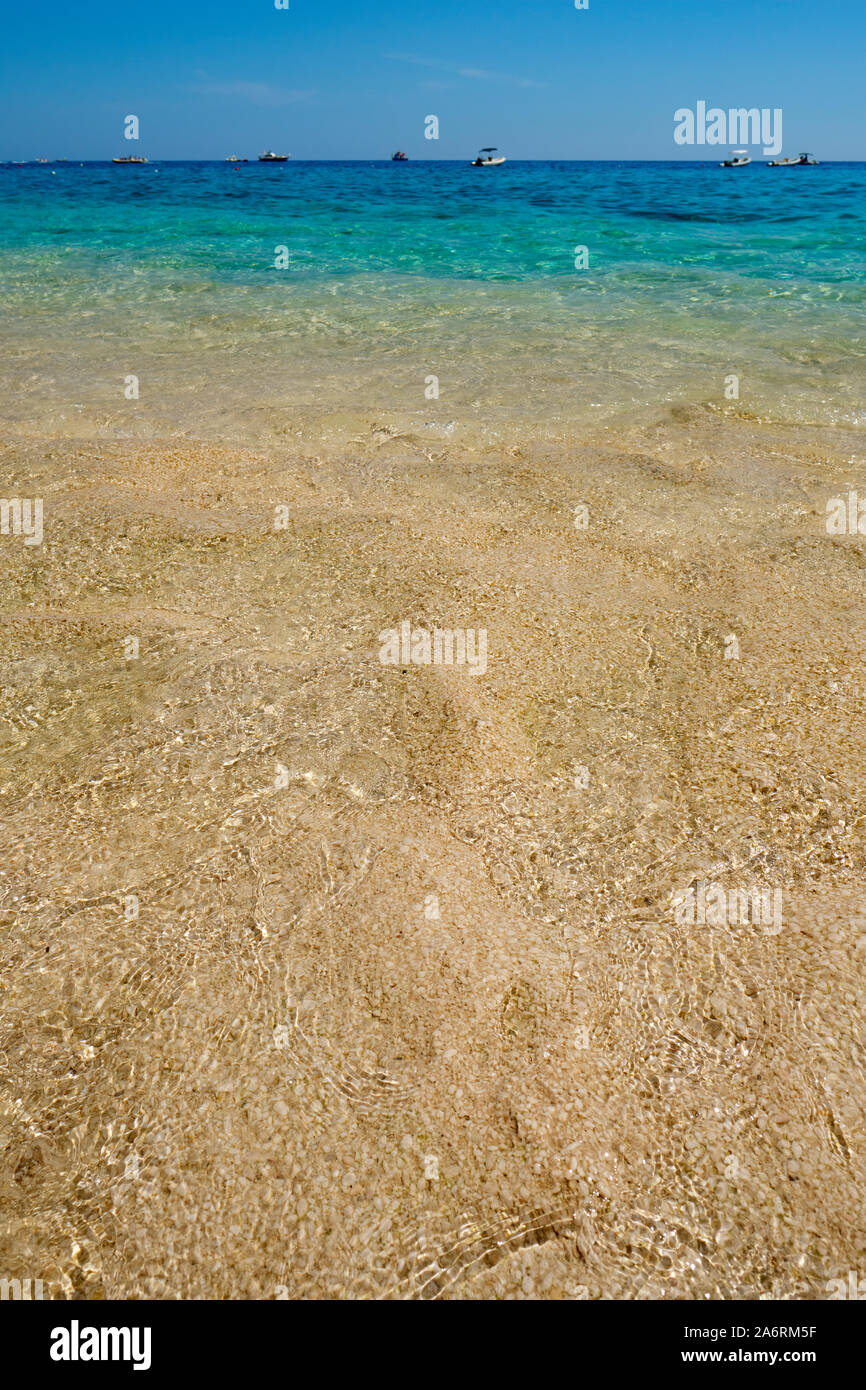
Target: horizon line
[(387, 159)]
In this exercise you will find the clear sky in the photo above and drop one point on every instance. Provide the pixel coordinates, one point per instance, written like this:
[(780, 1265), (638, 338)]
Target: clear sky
[(354, 79)]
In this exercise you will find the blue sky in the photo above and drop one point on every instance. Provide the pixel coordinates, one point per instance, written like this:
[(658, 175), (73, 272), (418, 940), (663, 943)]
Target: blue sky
[(354, 79)]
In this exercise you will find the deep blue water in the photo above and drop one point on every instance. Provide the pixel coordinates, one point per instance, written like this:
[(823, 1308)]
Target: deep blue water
[(518, 221)]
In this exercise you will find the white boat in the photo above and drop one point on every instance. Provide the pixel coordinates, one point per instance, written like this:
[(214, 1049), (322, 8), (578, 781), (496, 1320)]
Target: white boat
[(738, 160), (482, 163), (792, 163), (268, 157)]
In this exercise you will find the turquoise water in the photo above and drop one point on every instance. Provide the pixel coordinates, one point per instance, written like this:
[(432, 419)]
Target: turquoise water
[(399, 271)]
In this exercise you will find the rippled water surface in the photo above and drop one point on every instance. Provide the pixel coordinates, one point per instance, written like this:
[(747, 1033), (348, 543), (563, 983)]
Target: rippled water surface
[(326, 978), (398, 271)]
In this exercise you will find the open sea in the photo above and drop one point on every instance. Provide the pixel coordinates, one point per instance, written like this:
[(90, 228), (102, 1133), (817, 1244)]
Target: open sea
[(398, 273)]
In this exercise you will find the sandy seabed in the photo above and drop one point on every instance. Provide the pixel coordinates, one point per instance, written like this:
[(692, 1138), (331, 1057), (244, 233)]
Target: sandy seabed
[(323, 978)]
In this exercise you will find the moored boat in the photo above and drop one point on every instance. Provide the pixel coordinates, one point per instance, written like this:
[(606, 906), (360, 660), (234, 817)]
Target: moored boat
[(131, 159), (268, 157), (793, 163), (739, 159)]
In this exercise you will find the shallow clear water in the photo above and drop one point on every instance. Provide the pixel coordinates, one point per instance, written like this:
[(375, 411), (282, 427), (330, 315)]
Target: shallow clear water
[(399, 272), (324, 978)]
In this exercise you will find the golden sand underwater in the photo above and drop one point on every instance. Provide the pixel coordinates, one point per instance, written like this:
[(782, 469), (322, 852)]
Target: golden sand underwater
[(327, 978)]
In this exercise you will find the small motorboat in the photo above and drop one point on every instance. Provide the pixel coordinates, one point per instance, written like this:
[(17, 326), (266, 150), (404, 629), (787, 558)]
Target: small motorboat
[(738, 160), (485, 158), (401, 157), (131, 159), (235, 159), (792, 163), (268, 157)]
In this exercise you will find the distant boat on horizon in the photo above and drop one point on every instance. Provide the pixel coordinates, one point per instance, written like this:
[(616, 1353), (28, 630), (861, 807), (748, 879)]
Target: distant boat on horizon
[(792, 163), (268, 157), (401, 157), (489, 151), (131, 159), (739, 159), (235, 159)]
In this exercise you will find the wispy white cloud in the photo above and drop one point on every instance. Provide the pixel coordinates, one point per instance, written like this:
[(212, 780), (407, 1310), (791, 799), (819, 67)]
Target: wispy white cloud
[(413, 58), (469, 74), (258, 93)]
